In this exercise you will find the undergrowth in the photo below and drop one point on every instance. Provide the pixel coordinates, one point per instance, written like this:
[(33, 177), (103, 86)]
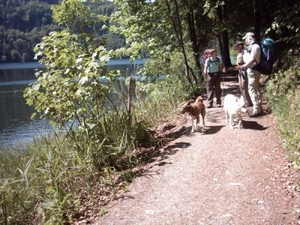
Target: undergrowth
[(283, 93), (69, 176)]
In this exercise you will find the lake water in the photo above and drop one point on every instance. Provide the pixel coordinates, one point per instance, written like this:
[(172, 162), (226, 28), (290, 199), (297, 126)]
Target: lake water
[(15, 123)]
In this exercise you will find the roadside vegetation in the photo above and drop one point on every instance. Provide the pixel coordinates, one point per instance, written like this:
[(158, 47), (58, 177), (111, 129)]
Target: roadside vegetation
[(71, 175), (106, 131), (283, 94)]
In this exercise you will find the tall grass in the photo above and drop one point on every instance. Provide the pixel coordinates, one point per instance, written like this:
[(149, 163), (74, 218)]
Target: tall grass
[(71, 176), (283, 94)]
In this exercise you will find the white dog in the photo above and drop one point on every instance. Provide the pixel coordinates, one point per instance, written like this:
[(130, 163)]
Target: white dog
[(234, 106)]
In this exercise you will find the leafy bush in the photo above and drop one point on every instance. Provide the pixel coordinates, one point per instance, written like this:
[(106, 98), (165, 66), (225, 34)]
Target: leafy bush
[(64, 176), (284, 97), (96, 149)]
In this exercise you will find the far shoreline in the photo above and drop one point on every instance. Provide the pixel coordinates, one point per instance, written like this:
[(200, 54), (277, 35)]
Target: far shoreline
[(37, 65), (20, 65)]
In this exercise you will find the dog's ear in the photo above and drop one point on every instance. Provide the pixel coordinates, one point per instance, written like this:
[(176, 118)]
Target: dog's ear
[(184, 108)]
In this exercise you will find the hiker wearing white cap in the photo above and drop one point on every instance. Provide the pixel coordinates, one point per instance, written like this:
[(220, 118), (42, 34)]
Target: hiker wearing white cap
[(242, 76), (251, 58)]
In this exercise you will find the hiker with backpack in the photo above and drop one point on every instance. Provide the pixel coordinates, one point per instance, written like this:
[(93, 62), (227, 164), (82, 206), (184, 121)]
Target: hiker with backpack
[(242, 76), (252, 57), (212, 68)]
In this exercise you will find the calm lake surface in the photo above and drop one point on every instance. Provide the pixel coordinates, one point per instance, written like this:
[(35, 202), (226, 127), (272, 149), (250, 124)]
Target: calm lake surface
[(15, 124)]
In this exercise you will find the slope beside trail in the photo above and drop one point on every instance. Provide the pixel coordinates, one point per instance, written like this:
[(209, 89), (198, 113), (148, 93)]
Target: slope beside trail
[(218, 176)]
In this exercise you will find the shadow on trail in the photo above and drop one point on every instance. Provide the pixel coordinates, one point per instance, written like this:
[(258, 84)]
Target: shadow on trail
[(162, 155), (253, 125), (215, 115), (159, 152), (212, 129), (176, 134), (172, 149)]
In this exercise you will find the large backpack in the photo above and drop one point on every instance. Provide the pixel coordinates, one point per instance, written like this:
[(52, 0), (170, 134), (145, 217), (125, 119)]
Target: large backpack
[(268, 47)]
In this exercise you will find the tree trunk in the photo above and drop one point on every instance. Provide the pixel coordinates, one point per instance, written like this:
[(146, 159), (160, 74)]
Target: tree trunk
[(223, 37), (256, 19), (177, 27), (223, 40), (193, 38)]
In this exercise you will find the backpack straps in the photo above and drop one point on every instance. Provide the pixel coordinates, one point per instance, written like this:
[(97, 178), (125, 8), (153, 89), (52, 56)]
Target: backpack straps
[(209, 59)]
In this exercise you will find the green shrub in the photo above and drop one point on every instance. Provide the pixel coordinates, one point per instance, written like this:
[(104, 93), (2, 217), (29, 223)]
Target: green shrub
[(63, 176), (284, 97), (96, 150)]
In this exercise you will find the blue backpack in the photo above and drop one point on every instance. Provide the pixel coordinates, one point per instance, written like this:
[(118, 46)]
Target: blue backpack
[(267, 60)]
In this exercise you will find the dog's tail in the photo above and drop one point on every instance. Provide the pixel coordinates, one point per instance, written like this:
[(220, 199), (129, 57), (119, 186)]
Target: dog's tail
[(188, 103), (199, 99)]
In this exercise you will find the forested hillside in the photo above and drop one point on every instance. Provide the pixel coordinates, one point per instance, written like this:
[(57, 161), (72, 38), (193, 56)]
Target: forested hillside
[(24, 22)]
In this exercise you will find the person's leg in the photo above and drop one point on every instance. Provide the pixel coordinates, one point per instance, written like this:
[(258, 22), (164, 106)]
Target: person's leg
[(246, 93), (241, 82), (217, 83), (254, 91), (257, 88), (210, 91)]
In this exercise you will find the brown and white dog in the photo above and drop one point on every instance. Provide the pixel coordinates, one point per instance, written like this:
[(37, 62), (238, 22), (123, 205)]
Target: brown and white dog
[(234, 106), (195, 109)]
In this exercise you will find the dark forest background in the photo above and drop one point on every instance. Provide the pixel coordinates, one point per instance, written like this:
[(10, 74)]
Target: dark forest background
[(23, 23)]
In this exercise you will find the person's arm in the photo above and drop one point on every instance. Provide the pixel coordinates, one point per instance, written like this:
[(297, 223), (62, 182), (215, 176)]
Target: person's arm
[(239, 59), (205, 66), (255, 51), (246, 65)]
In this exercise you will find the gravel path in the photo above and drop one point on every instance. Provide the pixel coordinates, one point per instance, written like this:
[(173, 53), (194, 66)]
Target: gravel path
[(218, 176)]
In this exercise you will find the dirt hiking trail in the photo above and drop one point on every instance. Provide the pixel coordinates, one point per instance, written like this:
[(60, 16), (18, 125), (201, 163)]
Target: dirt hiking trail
[(218, 176)]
